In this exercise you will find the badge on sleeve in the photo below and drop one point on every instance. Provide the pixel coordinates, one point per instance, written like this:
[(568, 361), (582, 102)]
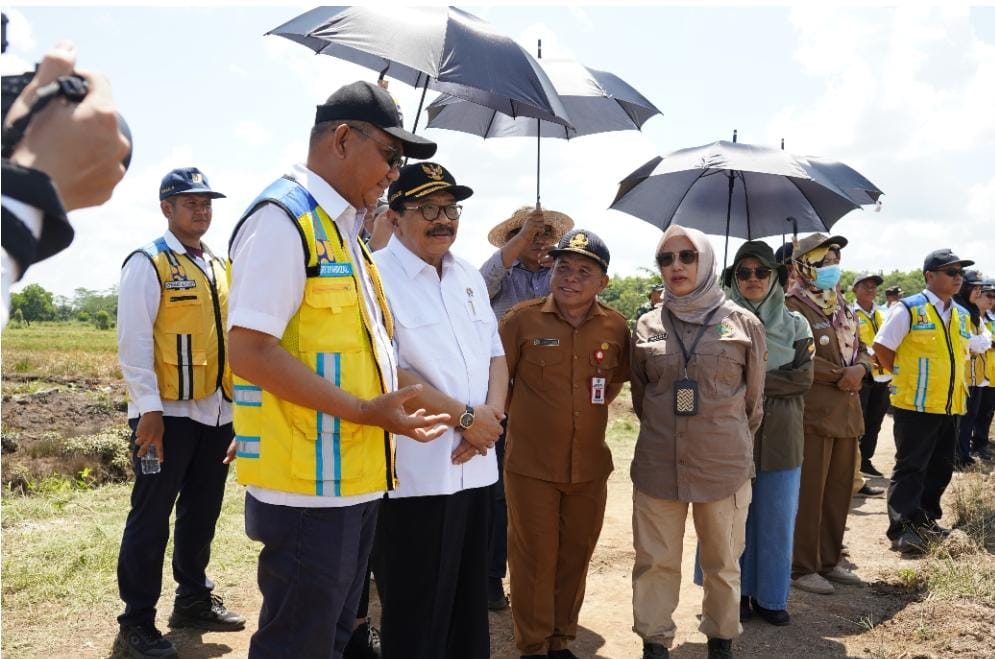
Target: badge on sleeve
[(597, 391)]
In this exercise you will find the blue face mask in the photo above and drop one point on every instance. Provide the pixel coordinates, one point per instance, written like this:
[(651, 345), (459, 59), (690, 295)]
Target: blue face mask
[(827, 277)]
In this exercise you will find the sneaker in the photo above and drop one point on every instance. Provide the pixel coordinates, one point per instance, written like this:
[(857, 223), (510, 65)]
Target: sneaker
[(205, 612), (719, 648), (142, 641), (562, 653), (777, 617), (655, 651), (840, 574), (909, 543), (870, 491), (745, 613), (813, 583), (364, 643), (867, 469), (496, 599)]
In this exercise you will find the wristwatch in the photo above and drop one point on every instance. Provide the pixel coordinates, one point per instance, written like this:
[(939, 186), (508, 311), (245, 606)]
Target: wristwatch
[(466, 419)]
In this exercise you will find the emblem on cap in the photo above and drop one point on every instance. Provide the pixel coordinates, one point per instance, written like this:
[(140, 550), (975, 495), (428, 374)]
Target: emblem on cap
[(196, 177), (433, 171), (579, 241)]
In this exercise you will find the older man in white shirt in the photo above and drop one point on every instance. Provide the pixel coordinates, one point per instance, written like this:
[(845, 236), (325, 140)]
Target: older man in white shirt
[(432, 542)]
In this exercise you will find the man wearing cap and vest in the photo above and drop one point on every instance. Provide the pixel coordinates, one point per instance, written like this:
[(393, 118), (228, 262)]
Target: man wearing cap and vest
[(969, 297), (432, 541), (924, 342), (558, 463), (519, 270), (986, 410), (315, 388), (172, 309), (875, 388)]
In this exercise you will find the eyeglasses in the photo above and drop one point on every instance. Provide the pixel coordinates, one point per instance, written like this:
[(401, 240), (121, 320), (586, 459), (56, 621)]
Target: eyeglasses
[(686, 256), (953, 273), (431, 211), (761, 272), (394, 156)]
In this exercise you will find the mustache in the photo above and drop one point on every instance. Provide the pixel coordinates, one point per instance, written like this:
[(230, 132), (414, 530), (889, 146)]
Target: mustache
[(441, 230)]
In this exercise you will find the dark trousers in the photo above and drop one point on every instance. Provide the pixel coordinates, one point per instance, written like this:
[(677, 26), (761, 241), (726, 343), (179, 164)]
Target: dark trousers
[(924, 461), (497, 538), (193, 478), (311, 571), (874, 401), (983, 422), (967, 422), (430, 555)]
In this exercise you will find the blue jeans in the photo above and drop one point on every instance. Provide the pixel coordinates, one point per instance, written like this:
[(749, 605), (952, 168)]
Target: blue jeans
[(770, 529), (311, 572)]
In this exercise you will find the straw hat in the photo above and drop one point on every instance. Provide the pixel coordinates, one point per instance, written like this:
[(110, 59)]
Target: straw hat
[(560, 222)]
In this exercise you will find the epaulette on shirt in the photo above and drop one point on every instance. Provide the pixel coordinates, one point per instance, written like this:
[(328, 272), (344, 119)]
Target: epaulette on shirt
[(525, 305)]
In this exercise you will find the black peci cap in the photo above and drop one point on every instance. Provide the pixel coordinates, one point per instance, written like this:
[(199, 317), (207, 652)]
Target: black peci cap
[(422, 179)]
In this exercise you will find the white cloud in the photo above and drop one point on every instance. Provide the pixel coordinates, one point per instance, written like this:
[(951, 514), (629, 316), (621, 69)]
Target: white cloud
[(252, 133)]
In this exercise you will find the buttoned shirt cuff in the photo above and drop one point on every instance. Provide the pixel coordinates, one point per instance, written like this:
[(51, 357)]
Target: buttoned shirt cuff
[(258, 321), (149, 404)]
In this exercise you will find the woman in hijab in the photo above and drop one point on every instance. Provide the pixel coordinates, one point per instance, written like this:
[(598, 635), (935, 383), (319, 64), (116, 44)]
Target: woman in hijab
[(978, 345), (755, 281), (698, 365), (833, 419)]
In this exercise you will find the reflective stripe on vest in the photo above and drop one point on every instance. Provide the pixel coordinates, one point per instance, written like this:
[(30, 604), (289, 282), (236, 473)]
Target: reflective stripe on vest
[(288, 447), (189, 337), (931, 361)]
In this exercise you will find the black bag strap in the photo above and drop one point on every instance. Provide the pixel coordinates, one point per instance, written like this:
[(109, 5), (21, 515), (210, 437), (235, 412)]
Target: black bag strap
[(688, 354)]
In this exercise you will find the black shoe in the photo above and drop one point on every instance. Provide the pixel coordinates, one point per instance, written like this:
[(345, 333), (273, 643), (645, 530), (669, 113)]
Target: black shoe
[(496, 599), (142, 641), (562, 653), (777, 617), (909, 543), (744, 609), (720, 648), (932, 530), (364, 643), (868, 469), (655, 651), (870, 491), (983, 454), (205, 612)]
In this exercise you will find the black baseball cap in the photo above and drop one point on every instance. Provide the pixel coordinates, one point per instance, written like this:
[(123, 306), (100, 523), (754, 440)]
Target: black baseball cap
[(364, 101), (422, 179), (585, 243), (894, 290), (972, 278), (941, 258), (186, 180)]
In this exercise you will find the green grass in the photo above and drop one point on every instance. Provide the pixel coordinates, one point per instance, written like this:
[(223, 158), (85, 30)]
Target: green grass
[(61, 349)]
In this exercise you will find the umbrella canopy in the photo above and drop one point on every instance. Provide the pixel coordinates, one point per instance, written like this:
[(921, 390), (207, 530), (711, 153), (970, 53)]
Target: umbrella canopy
[(742, 190), (443, 48), (595, 102)]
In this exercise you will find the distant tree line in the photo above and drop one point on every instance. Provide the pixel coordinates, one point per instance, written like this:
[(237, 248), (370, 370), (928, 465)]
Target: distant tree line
[(34, 304)]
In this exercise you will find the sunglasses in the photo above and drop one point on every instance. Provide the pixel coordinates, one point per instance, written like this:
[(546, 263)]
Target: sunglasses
[(686, 256), (990, 295), (431, 211), (394, 156), (953, 273), (761, 272)]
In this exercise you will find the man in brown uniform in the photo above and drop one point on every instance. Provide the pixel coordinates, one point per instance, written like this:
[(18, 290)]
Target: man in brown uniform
[(567, 356)]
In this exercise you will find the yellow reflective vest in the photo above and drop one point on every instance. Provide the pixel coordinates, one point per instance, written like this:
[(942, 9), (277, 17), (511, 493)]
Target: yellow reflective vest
[(931, 361), (291, 448), (190, 341), (869, 324)]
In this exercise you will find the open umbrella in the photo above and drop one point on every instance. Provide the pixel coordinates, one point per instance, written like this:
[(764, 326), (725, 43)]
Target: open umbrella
[(595, 102), (742, 190), (442, 48)]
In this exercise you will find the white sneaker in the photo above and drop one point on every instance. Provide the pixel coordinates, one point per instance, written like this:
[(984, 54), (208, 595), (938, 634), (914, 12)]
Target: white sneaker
[(840, 574), (813, 583)]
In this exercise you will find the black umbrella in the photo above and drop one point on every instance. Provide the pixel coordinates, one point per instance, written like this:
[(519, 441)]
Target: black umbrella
[(442, 48), (742, 190), (595, 101)]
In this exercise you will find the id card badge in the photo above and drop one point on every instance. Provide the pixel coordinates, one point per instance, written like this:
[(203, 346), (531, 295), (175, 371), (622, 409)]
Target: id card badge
[(685, 397), (597, 391)]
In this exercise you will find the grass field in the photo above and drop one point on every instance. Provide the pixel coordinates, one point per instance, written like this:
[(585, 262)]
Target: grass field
[(68, 350)]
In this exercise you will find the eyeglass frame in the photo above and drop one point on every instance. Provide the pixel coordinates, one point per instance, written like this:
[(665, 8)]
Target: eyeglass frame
[(753, 272), (439, 211), (950, 272), (395, 161), (671, 257)]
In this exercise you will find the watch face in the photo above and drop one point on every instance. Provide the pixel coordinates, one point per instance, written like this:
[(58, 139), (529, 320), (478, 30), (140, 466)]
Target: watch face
[(466, 420)]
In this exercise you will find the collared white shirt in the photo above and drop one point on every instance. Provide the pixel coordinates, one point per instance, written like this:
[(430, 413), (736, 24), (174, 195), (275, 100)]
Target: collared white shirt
[(896, 323), (267, 288), (447, 333), (138, 306)]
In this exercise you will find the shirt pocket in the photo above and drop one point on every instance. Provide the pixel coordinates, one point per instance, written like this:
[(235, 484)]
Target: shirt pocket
[(723, 366), (539, 366), (338, 298), (610, 361), (183, 312)]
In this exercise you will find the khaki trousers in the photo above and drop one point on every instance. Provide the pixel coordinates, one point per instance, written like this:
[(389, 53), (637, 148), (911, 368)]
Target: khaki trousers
[(552, 531), (658, 534), (823, 503), (858, 479)]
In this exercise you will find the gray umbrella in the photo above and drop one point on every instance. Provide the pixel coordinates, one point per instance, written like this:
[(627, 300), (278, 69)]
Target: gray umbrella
[(595, 101), (442, 48), (742, 190)]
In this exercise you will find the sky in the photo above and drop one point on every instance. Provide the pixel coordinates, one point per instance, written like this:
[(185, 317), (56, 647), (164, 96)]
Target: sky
[(904, 95)]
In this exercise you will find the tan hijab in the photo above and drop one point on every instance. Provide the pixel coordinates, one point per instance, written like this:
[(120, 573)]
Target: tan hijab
[(707, 294)]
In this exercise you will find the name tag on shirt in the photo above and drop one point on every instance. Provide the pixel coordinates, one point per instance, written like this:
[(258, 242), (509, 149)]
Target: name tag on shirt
[(545, 342), (180, 284), (597, 391)]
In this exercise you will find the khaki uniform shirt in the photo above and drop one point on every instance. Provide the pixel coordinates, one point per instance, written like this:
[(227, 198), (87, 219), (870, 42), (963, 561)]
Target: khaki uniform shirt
[(555, 433), (708, 456)]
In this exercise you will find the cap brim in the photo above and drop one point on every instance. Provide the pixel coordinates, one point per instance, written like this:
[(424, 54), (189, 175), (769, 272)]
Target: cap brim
[(570, 250), (209, 193), (415, 146), (962, 262), (877, 279)]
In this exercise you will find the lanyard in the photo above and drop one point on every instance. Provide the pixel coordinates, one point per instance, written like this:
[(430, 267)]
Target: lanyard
[(688, 354)]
